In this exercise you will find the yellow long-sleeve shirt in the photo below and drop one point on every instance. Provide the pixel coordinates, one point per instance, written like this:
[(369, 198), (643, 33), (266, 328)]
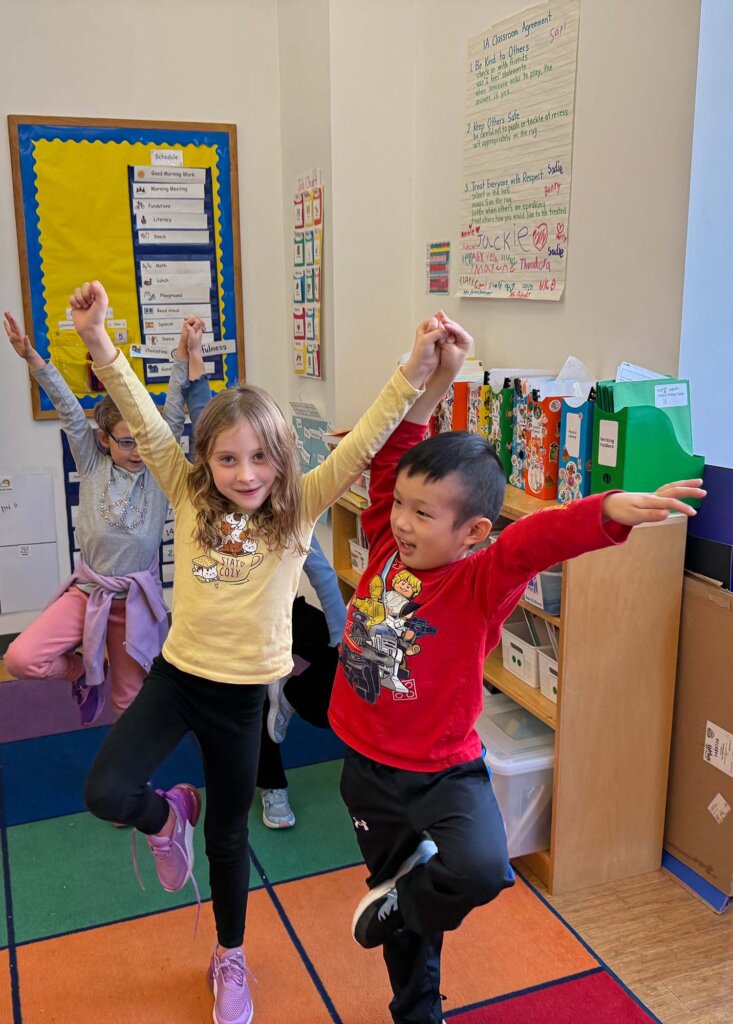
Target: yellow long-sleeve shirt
[(232, 608)]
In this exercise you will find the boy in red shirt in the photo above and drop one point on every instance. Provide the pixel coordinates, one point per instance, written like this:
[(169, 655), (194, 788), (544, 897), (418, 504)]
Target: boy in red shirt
[(409, 686)]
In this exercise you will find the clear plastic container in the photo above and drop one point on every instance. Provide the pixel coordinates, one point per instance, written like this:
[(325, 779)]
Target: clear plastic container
[(520, 753)]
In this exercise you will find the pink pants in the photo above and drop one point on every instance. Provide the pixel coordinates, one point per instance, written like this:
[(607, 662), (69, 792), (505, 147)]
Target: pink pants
[(42, 650)]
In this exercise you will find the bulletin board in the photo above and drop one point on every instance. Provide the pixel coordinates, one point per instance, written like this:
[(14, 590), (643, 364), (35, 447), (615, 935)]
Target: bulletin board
[(149, 208)]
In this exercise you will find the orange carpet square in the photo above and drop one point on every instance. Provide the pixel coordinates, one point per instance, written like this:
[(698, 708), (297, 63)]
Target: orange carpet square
[(513, 944), (6, 1005), (152, 970)]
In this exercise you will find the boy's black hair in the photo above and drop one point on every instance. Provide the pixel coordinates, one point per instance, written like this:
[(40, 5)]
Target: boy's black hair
[(473, 459)]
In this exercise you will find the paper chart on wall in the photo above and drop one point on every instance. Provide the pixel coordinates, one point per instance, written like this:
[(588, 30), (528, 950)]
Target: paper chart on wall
[(517, 155), (307, 266)]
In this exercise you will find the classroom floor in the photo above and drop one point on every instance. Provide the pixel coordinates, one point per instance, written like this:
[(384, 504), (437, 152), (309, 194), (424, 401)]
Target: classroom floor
[(81, 942)]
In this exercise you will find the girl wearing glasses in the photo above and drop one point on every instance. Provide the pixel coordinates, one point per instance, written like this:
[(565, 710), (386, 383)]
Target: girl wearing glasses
[(114, 598)]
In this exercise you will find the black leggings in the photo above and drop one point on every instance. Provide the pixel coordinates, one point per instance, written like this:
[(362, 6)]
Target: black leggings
[(226, 720)]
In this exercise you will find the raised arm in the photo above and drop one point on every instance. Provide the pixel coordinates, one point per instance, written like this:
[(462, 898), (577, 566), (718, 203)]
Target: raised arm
[(76, 426), (324, 581), (157, 445), (179, 388), (323, 485)]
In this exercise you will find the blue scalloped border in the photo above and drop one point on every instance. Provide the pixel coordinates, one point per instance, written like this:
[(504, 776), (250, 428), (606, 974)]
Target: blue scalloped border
[(28, 134)]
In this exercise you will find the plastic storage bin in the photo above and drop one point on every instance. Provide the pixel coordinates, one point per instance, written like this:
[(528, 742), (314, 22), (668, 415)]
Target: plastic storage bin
[(548, 675), (520, 753), (519, 653), (544, 590)]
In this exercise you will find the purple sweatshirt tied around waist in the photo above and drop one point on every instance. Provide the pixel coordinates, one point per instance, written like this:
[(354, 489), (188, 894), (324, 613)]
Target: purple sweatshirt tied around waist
[(146, 622)]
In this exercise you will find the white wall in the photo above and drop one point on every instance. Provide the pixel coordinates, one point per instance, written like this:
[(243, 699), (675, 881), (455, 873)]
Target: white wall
[(184, 60), (706, 352)]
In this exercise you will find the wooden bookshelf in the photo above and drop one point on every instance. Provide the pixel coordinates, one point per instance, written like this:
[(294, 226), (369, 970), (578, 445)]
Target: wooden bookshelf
[(618, 623)]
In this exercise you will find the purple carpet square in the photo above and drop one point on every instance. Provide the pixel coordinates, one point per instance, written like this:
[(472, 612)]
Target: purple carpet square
[(40, 707)]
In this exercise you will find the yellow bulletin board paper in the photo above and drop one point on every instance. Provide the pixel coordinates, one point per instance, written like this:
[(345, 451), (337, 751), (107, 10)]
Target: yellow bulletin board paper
[(517, 155), (75, 186)]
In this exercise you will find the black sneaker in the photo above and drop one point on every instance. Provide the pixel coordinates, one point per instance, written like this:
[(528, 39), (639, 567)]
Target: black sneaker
[(378, 915), (380, 919)]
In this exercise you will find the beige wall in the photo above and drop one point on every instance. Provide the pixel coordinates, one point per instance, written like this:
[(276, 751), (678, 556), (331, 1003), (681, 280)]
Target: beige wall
[(631, 170)]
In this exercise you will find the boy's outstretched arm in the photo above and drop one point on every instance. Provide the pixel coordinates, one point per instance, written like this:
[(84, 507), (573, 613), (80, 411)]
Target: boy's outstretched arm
[(453, 349), (632, 509)]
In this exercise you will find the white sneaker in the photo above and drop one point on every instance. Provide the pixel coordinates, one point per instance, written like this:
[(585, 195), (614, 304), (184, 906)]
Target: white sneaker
[(280, 713), (276, 812)]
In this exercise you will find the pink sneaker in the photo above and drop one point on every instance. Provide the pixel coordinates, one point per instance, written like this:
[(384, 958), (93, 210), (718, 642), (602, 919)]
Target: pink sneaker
[(228, 981), (174, 856)]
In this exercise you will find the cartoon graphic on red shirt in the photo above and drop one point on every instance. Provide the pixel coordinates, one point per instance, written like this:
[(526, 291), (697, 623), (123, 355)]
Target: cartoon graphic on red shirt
[(381, 633)]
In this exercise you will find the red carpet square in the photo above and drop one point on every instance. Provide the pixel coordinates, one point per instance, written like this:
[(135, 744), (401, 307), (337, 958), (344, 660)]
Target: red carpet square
[(595, 999)]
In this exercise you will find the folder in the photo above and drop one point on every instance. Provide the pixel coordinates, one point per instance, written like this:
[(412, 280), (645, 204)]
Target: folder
[(576, 448), (637, 449), (542, 445), (670, 395)]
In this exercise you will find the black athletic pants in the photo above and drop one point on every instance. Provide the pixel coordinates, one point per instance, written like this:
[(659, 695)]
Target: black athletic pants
[(226, 720), (392, 810)]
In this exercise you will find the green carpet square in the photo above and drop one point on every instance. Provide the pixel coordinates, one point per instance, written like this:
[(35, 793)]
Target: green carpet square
[(323, 836), (77, 872)]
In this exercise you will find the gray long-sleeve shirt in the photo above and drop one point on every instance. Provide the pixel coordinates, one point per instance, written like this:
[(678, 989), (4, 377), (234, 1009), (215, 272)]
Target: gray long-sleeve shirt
[(121, 514)]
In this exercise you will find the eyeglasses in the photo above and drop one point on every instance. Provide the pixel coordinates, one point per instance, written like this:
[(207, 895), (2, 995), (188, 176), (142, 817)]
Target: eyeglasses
[(125, 444)]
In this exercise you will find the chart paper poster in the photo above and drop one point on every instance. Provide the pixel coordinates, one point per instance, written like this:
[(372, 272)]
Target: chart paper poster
[(517, 155)]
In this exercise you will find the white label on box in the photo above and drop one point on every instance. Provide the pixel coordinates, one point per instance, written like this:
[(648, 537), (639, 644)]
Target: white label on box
[(666, 395), (608, 443), (572, 434), (718, 750), (719, 808)]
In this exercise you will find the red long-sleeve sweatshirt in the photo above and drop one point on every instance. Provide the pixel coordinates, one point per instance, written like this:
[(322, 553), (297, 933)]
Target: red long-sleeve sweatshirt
[(409, 686)]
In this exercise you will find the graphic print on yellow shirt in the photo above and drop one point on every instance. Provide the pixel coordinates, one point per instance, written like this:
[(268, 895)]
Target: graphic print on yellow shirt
[(236, 556), (381, 633)]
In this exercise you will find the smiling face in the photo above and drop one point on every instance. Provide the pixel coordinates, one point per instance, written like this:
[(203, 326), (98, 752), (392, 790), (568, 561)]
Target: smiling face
[(240, 467), (424, 525), (124, 457)]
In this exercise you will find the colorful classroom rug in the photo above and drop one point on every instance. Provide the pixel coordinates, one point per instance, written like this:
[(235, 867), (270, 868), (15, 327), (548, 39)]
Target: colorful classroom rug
[(80, 942)]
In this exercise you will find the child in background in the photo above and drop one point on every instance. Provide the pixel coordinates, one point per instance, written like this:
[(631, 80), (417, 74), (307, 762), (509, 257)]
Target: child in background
[(114, 597), (315, 641), (414, 780), (244, 520)]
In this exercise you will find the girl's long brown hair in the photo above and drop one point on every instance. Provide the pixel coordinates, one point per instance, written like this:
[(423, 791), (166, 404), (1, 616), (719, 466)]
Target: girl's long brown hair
[(277, 521)]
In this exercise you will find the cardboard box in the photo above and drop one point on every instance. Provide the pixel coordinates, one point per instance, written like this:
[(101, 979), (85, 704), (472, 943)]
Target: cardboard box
[(699, 825)]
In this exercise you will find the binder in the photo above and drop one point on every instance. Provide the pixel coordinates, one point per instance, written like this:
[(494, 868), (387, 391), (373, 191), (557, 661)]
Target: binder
[(576, 448), (637, 449)]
